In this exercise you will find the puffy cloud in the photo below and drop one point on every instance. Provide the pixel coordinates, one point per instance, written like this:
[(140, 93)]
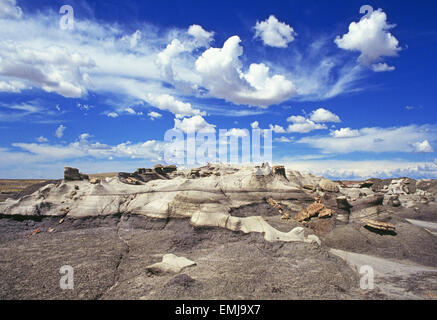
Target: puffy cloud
[(174, 48), (345, 133), (133, 39), (423, 147), (130, 110), (374, 139), (112, 114), (284, 139), (301, 124), (84, 136), (42, 139), (194, 124), (222, 75), (154, 115), (235, 132), (173, 67), (202, 37), (274, 33), (323, 115), (169, 103), (255, 125), (277, 129), (12, 86), (10, 10), (371, 37), (60, 131), (382, 67)]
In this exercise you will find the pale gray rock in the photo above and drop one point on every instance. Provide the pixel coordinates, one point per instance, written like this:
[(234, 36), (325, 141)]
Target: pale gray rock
[(328, 185), (171, 263)]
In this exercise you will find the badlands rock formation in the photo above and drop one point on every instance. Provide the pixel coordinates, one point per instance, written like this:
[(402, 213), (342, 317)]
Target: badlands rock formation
[(244, 232), (206, 201)]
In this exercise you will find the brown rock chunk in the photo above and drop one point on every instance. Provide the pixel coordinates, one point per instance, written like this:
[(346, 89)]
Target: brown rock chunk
[(378, 225), (95, 181), (326, 213), (277, 206), (274, 204), (309, 212), (131, 180)]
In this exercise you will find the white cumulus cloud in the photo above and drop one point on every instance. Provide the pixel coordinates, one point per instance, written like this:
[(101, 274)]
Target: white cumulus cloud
[(169, 103), (194, 124), (345, 133), (323, 115), (277, 128), (301, 124), (222, 75), (112, 114), (255, 125), (235, 132), (284, 139), (42, 139), (274, 33), (423, 147), (371, 37), (60, 131), (382, 67), (12, 86), (154, 115), (202, 37)]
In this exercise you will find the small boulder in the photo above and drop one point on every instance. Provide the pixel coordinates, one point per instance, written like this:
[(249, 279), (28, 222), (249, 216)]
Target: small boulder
[(170, 264), (95, 181), (378, 225), (309, 212), (328, 185), (326, 213)]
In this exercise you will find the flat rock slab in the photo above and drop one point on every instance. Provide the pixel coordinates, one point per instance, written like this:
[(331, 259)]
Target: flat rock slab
[(171, 263)]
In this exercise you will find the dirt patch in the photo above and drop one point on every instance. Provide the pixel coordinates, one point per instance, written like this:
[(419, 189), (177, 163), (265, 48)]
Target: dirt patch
[(410, 242), (256, 209)]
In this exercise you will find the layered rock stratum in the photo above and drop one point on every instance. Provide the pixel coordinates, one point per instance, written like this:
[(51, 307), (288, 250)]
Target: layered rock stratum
[(232, 232)]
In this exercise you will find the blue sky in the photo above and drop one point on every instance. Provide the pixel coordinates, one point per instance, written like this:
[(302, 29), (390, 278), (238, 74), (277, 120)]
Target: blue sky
[(348, 96)]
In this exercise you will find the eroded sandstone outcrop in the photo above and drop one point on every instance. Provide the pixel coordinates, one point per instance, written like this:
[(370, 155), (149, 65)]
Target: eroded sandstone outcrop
[(206, 200), (73, 174)]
